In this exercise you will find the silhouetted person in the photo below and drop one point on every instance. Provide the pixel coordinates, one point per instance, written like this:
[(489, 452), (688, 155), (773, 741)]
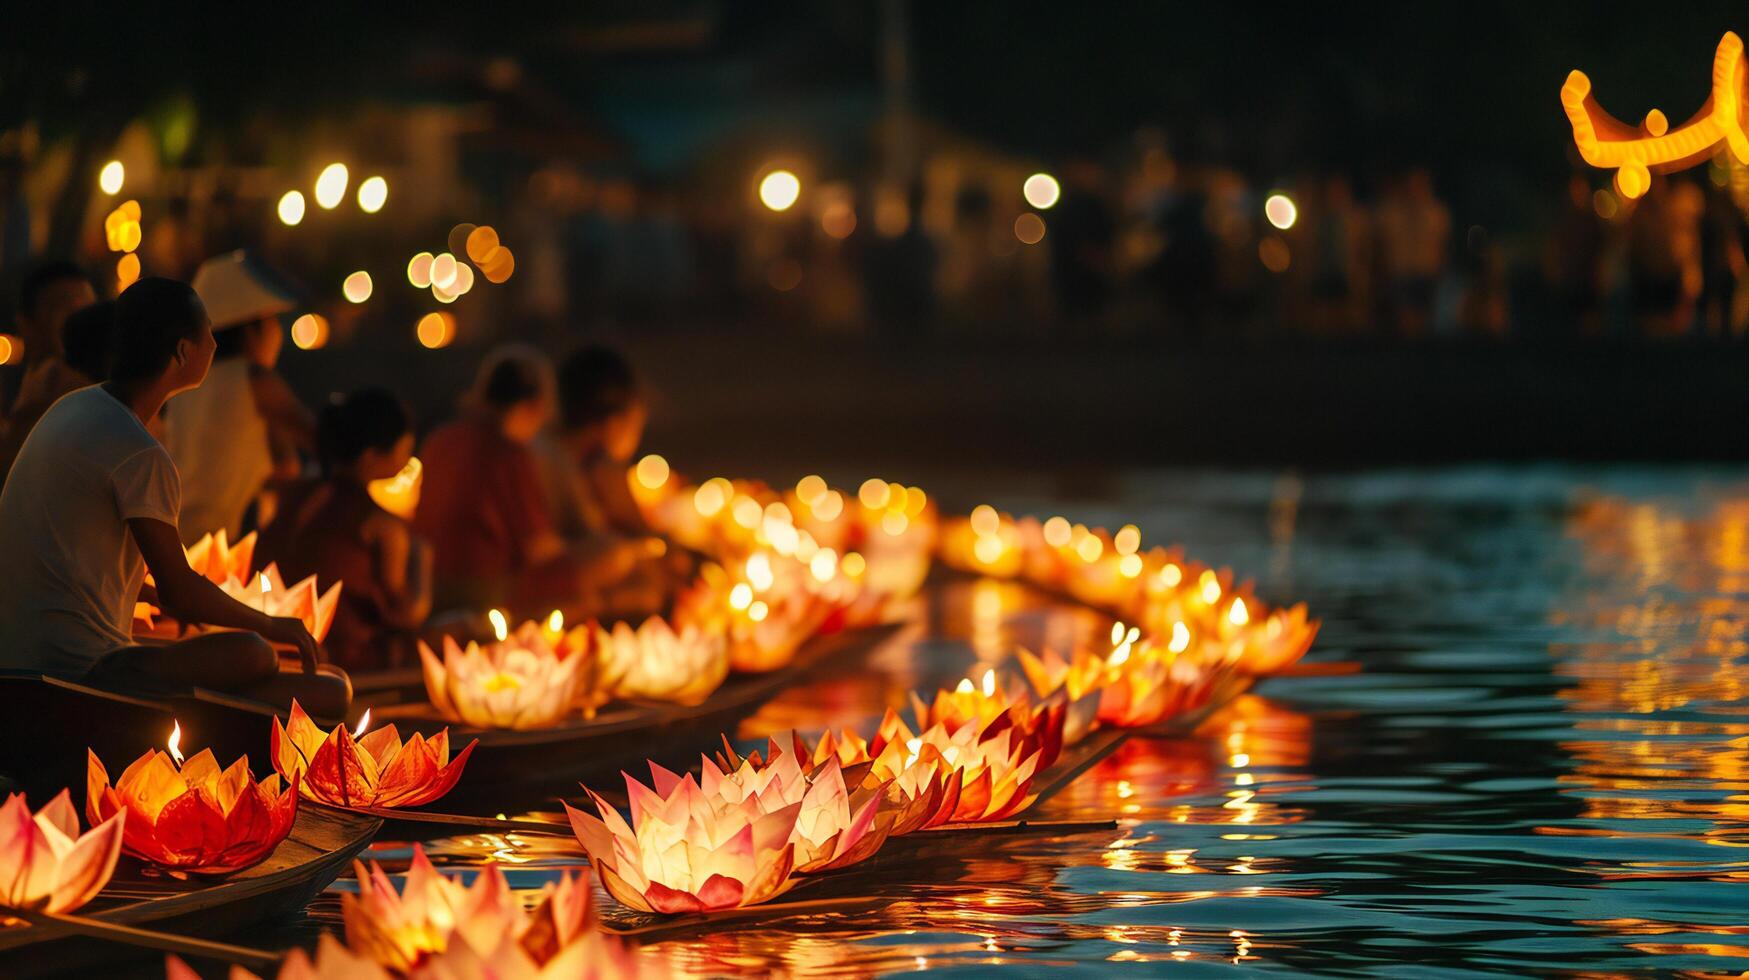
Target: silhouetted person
[(92, 503)]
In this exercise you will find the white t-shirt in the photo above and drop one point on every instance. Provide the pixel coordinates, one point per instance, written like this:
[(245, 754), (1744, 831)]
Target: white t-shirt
[(70, 570)]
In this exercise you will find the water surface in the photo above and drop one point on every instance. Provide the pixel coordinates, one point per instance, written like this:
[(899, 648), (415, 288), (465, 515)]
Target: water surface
[(1539, 768)]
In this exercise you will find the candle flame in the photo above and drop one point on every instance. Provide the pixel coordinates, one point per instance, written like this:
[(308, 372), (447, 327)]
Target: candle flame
[(176, 742), (363, 723), (1238, 615), (990, 683), (1180, 638), (499, 625), (965, 686), (556, 622), (266, 586)]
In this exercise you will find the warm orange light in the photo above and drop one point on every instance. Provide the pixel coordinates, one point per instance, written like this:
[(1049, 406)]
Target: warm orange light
[(127, 271), (45, 863), (499, 266), (363, 724), (435, 330), (1029, 228), (11, 349), (1274, 254), (779, 190), (310, 331), (838, 220), (175, 741), (481, 244), (652, 472), (357, 287), (1637, 151)]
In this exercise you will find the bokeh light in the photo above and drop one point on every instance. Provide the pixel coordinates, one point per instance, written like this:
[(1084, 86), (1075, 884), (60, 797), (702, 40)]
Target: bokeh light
[(127, 271), (443, 271), (500, 266), (435, 330), (780, 190), (310, 331), (357, 287), (481, 244), (331, 186), (838, 220), (110, 178), (652, 471), (419, 270), (1281, 211), (291, 207), (1273, 253), (1029, 228), (458, 238), (11, 349), (373, 194), (1041, 191)]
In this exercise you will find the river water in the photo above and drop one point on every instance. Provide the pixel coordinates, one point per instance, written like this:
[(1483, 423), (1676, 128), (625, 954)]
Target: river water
[(1529, 753)]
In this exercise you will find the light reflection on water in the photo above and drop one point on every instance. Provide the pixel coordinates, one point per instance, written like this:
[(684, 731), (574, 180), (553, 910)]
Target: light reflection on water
[(1543, 767)]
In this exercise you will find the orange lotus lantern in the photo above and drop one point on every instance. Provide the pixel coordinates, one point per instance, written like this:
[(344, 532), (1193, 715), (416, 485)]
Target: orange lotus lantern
[(531, 678), (46, 865), (835, 828), (992, 774), (436, 928), (657, 663), (685, 852), (191, 817), (374, 771), (266, 591), (915, 791), (399, 494), (218, 560)]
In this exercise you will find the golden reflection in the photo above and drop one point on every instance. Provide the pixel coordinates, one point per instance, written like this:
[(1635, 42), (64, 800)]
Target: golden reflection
[(1660, 697)]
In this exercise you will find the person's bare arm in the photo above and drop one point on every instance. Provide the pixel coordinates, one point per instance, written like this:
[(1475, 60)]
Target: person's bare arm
[(188, 596), (284, 413), (403, 566)]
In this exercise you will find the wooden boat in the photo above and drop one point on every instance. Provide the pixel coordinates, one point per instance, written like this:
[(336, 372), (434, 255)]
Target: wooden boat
[(320, 849), (46, 724), (511, 767)]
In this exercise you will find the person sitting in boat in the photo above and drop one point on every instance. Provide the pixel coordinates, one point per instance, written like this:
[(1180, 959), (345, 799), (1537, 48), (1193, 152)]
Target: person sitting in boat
[(602, 413), (481, 504), (87, 344), (331, 528), (92, 503), (236, 432)]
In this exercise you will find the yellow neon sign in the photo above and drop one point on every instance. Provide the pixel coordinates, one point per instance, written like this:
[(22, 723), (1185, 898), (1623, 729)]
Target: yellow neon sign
[(1636, 152)]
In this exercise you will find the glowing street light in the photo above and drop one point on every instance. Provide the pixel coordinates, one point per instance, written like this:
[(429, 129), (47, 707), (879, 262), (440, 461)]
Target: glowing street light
[(779, 190), (110, 178), (372, 194), (291, 207), (1041, 191), (331, 186), (1281, 211)]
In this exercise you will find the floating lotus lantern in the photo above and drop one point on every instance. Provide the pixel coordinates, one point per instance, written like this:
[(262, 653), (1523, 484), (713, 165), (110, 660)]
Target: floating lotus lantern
[(835, 828), (685, 852), (399, 494), (46, 865), (968, 703), (374, 771), (531, 678), (436, 928), (267, 592), (765, 616), (992, 775), (191, 817), (916, 789), (656, 663), (218, 560)]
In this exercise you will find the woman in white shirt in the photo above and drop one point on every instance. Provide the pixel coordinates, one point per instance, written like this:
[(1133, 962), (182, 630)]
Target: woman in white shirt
[(93, 502)]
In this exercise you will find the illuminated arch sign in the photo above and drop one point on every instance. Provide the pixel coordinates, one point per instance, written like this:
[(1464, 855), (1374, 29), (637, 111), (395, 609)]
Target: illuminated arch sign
[(1636, 152)]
